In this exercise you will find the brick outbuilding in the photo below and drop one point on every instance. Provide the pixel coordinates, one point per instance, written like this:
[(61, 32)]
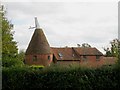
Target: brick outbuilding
[(39, 52)]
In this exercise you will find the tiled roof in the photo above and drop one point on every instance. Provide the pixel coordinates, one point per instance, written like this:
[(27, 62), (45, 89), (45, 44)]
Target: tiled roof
[(88, 51), (69, 53), (38, 44)]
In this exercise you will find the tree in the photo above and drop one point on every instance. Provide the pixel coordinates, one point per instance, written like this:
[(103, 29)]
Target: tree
[(108, 52), (21, 55), (9, 46), (114, 49), (85, 45), (119, 52), (0, 34)]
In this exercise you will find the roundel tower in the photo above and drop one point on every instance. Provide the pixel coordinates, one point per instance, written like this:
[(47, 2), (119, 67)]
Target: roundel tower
[(38, 51)]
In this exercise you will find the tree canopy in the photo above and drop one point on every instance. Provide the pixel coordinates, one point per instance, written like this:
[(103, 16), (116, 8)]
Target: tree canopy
[(113, 50), (9, 46)]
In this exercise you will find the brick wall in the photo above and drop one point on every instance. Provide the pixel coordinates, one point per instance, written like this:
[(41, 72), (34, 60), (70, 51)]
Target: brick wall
[(90, 61), (44, 59), (67, 62)]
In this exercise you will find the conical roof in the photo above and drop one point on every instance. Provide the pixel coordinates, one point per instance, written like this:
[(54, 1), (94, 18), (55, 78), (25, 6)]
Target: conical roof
[(38, 43)]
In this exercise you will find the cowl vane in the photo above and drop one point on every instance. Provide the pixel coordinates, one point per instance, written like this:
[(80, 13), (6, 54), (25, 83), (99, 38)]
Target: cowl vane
[(37, 26)]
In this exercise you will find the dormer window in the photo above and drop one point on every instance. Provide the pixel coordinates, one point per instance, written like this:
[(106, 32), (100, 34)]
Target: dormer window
[(73, 55), (60, 55)]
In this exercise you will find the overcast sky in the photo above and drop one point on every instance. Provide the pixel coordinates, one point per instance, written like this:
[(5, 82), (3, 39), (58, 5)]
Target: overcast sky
[(65, 23)]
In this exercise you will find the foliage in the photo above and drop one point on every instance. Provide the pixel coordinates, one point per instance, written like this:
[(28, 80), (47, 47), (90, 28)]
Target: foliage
[(9, 46), (79, 78), (37, 67), (119, 52), (0, 36), (12, 62), (21, 55), (85, 45), (114, 47), (113, 50)]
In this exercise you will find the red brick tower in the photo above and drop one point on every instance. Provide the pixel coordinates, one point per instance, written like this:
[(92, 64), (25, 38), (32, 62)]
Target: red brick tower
[(38, 51)]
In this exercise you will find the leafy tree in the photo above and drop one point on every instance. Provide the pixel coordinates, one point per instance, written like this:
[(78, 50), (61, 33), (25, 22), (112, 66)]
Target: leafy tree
[(114, 49), (9, 46), (108, 52), (0, 33), (21, 55), (85, 45)]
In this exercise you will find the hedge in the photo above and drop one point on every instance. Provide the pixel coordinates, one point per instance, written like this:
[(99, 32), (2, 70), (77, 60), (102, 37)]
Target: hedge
[(77, 78)]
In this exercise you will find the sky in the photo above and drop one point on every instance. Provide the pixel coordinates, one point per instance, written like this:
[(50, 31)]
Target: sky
[(65, 23)]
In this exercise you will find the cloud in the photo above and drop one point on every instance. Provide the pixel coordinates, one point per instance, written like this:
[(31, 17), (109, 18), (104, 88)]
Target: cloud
[(65, 24), (33, 8)]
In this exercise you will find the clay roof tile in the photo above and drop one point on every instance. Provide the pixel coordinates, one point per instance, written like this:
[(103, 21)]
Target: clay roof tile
[(38, 43)]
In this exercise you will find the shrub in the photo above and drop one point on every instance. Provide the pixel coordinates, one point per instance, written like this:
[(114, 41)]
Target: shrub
[(11, 62), (37, 67), (79, 78)]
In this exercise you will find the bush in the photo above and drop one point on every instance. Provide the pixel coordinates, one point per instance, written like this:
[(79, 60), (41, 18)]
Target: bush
[(78, 78), (37, 67), (11, 62)]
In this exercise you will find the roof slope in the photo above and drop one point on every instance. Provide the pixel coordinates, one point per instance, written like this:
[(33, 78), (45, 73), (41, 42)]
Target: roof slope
[(67, 54), (74, 53), (88, 51), (38, 43)]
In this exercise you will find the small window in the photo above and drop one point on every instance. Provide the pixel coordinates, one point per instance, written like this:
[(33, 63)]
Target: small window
[(84, 57), (60, 55), (34, 58), (73, 55), (97, 58), (48, 57)]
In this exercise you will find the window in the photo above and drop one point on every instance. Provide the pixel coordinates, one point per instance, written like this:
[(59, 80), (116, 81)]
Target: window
[(60, 55), (34, 58), (84, 57), (73, 55), (97, 58), (48, 57)]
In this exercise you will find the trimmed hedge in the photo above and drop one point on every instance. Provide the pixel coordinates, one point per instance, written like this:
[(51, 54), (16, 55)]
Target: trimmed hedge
[(77, 78)]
